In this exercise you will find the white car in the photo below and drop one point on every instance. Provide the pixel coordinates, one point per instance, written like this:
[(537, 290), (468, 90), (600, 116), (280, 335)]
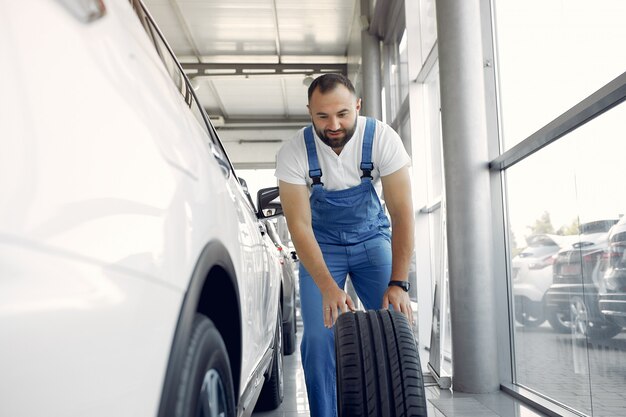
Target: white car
[(136, 279), (532, 276)]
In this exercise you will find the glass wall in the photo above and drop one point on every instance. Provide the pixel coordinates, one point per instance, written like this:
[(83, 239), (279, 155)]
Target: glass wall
[(403, 67), (428, 27), (564, 202), (418, 89), (551, 55)]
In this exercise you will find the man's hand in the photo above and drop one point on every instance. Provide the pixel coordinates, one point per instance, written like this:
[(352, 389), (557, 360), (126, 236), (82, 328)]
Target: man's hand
[(400, 301), (334, 302)]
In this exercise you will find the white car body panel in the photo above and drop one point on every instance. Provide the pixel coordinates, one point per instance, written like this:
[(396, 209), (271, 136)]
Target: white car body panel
[(109, 195), (531, 283), (83, 342)]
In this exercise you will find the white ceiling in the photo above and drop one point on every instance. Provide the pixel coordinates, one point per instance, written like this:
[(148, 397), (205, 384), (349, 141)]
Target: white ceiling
[(234, 43), (283, 34)]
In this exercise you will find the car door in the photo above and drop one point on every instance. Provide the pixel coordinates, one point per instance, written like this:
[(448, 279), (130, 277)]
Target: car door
[(257, 282), (230, 218)]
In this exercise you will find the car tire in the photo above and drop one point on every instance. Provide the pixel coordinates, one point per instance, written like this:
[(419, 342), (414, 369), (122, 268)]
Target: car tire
[(595, 330), (378, 366), (272, 392), (560, 321), (289, 331), (206, 385), (525, 315)]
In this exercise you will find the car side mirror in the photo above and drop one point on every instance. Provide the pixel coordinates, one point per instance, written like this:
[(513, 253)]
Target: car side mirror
[(268, 203)]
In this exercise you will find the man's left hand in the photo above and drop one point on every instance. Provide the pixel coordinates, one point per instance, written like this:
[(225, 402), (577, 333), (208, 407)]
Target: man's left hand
[(399, 299)]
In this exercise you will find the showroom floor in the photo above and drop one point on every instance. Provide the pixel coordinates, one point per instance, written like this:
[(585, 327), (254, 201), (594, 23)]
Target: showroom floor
[(441, 403)]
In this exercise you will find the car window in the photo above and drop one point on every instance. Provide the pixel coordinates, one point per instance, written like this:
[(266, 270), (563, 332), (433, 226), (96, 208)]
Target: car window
[(163, 50), (181, 82), (601, 226), (540, 240)]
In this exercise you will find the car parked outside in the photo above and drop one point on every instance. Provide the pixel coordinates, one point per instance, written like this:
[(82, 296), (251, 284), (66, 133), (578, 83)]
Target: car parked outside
[(572, 300), (612, 298), (136, 276), (532, 276), (288, 303)]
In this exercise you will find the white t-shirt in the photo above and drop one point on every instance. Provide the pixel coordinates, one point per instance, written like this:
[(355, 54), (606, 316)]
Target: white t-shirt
[(342, 171)]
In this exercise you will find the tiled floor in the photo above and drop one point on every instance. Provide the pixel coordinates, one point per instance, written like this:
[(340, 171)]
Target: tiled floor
[(441, 403)]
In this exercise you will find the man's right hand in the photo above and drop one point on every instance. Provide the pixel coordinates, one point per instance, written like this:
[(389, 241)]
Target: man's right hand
[(334, 302), (295, 201)]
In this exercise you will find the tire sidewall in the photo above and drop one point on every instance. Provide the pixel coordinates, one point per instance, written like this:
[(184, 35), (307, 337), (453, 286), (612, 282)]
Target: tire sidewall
[(206, 351)]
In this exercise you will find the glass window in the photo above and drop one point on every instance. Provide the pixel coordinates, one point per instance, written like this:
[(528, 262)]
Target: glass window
[(200, 114), (428, 26), (403, 68), (434, 128), (167, 56), (172, 68), (551, 55), (568, 285), (391, 80)]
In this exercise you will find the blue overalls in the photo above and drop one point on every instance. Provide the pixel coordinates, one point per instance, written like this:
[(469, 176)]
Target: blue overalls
[(353, 233)]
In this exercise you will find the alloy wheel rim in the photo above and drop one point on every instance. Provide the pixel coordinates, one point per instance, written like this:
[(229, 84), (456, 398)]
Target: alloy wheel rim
[(579, 316), (212, 401)]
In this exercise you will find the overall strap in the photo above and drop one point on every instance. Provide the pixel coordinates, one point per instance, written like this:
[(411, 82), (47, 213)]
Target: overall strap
[(314, 167), (366, 155)]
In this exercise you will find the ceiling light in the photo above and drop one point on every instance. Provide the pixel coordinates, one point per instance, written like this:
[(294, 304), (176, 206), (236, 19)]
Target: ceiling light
[(307, 81)]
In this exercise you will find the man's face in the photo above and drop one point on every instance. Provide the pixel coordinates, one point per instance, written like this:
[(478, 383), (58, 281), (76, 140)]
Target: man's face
[(334, 115)]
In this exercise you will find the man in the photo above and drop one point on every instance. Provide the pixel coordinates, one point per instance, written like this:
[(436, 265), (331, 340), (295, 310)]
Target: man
[(330, 177)]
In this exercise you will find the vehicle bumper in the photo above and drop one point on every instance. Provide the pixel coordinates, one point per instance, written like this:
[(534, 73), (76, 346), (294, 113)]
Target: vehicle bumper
[(613, 304), (559, 296)]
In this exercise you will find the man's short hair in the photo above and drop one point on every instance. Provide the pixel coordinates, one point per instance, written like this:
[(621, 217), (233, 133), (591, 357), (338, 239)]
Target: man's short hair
[(329, 82)]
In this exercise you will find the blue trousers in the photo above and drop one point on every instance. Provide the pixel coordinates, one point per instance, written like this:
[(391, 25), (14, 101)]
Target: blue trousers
[(369, 266)]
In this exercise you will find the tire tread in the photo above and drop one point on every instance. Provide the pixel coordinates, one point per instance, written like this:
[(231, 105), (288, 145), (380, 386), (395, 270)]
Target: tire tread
[(378, 367)]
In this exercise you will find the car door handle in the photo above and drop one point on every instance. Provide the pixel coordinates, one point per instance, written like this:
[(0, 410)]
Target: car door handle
[(262, 230)]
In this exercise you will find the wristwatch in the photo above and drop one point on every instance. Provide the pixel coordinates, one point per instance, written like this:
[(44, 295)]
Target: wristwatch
[(405, 285)]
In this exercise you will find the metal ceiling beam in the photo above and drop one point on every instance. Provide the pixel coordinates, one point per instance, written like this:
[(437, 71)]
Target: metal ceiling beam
[(267, 123), (208, 69)]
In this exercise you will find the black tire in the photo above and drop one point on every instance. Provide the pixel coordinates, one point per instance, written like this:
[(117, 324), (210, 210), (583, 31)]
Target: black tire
[(273, 388), (378, 366), (526, 315), (289, 331), (560, 321), (585, 326), (206, 385)]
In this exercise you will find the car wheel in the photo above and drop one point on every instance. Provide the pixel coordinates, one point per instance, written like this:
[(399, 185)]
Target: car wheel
[(273, 389), (560, 321), (378, 366), (585, 327), (289, 331), (526, 315), (206, 386)]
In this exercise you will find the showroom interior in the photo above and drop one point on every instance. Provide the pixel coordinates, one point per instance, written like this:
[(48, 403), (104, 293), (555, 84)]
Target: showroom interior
[(510, 111)]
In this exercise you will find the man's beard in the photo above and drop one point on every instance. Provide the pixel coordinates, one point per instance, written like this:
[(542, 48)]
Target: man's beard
[(338, 142)]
